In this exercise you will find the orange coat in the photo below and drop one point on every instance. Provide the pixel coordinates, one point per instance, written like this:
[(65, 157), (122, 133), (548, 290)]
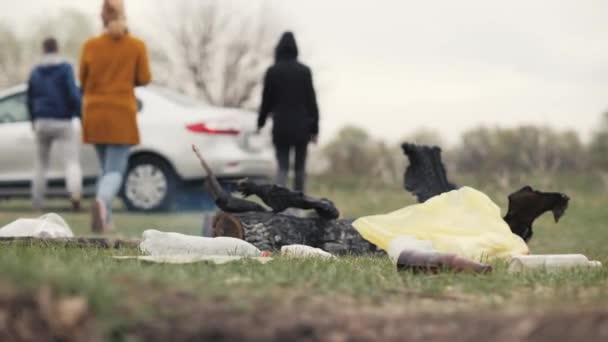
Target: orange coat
[(110, 69)]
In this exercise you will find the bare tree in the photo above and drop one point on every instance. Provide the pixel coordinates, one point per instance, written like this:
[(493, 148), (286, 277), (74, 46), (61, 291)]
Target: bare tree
[(10, 57), (70, 27), (505, 154), (353, 152), (20, 52), (217, 55)]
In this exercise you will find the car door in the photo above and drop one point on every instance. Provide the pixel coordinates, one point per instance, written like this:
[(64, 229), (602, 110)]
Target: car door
[(17, 144), (88, 159)]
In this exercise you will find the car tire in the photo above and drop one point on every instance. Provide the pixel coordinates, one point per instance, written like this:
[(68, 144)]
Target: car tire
[(150, 184)]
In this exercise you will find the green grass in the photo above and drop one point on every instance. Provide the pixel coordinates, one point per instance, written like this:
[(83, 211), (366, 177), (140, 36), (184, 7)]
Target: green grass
[(110, 284)]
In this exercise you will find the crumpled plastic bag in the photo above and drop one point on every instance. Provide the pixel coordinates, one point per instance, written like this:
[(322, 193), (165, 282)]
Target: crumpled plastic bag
[(46, 226), (163, 243), (464, 222)]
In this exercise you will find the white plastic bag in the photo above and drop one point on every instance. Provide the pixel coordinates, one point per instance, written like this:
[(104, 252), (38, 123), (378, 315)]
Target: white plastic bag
[(46, 226), (302, 251), (162, 243)]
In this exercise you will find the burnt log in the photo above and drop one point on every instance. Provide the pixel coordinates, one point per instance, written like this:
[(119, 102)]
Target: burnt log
[(270, 231)]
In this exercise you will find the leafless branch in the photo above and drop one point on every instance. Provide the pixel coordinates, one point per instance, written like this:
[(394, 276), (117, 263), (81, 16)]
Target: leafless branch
[(221, 57)]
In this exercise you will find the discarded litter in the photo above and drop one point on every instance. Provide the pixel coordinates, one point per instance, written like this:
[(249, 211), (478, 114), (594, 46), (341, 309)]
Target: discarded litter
[(47, 226), (434, 262), (303, 251), (159, 243), (464, 222), (557, 262), (175, 248), (410, 254)]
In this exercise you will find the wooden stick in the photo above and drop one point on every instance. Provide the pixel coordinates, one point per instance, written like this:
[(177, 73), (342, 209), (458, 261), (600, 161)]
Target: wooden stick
[(215, 186)]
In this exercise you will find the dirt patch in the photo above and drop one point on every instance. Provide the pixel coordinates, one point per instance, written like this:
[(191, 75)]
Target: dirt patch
[(326, 321), (42, 316), (181, 316), (319, 325)]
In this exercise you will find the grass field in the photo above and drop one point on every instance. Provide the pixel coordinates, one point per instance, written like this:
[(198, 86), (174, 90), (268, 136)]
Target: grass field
[(129, 299)]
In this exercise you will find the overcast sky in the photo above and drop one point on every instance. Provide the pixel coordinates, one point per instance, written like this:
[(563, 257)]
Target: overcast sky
[(393, 66)]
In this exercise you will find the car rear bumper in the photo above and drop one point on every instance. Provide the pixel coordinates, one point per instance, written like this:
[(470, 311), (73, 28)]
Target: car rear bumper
[(237, 166)]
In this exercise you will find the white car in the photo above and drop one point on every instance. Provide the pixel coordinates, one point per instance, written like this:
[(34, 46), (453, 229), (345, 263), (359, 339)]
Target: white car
[(161, 166)]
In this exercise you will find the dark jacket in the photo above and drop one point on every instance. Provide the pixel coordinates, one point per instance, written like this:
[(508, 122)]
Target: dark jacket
[(289, 96), (52, 92)]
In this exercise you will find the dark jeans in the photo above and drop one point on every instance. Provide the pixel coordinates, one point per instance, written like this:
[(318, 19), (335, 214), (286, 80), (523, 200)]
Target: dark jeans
[(283, 153)]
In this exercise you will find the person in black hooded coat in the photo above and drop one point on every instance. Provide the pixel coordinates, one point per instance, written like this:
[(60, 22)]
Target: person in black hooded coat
[(289, 96)]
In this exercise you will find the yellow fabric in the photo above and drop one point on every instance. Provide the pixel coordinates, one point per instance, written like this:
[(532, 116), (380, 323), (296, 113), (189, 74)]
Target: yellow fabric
[(464, 222), (110, 69)]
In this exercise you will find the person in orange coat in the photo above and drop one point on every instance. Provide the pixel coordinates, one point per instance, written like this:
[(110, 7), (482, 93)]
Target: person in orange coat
[(112, 65)]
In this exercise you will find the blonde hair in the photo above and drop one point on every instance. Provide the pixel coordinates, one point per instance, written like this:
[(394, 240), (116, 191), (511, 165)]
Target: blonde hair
[(113, 17)]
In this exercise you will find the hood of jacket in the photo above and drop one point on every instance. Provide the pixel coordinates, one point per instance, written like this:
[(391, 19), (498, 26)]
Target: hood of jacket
[(50, 63), (286, 49), (47, 94)]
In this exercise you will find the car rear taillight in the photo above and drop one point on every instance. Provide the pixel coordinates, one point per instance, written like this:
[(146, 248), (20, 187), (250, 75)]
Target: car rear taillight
[(205, 129)]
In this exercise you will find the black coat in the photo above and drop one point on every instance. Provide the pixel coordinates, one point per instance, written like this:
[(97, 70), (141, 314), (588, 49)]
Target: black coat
[(289, 96)]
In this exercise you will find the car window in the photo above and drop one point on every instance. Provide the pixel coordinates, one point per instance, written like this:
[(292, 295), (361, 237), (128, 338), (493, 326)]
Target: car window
[(13, 109)]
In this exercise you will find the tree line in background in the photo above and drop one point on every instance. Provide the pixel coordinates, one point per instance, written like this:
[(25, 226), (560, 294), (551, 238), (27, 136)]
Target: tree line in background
[(20, 51), (500, 155)]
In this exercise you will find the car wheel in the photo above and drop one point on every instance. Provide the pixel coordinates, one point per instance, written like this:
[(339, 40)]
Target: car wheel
[(150, 184)]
